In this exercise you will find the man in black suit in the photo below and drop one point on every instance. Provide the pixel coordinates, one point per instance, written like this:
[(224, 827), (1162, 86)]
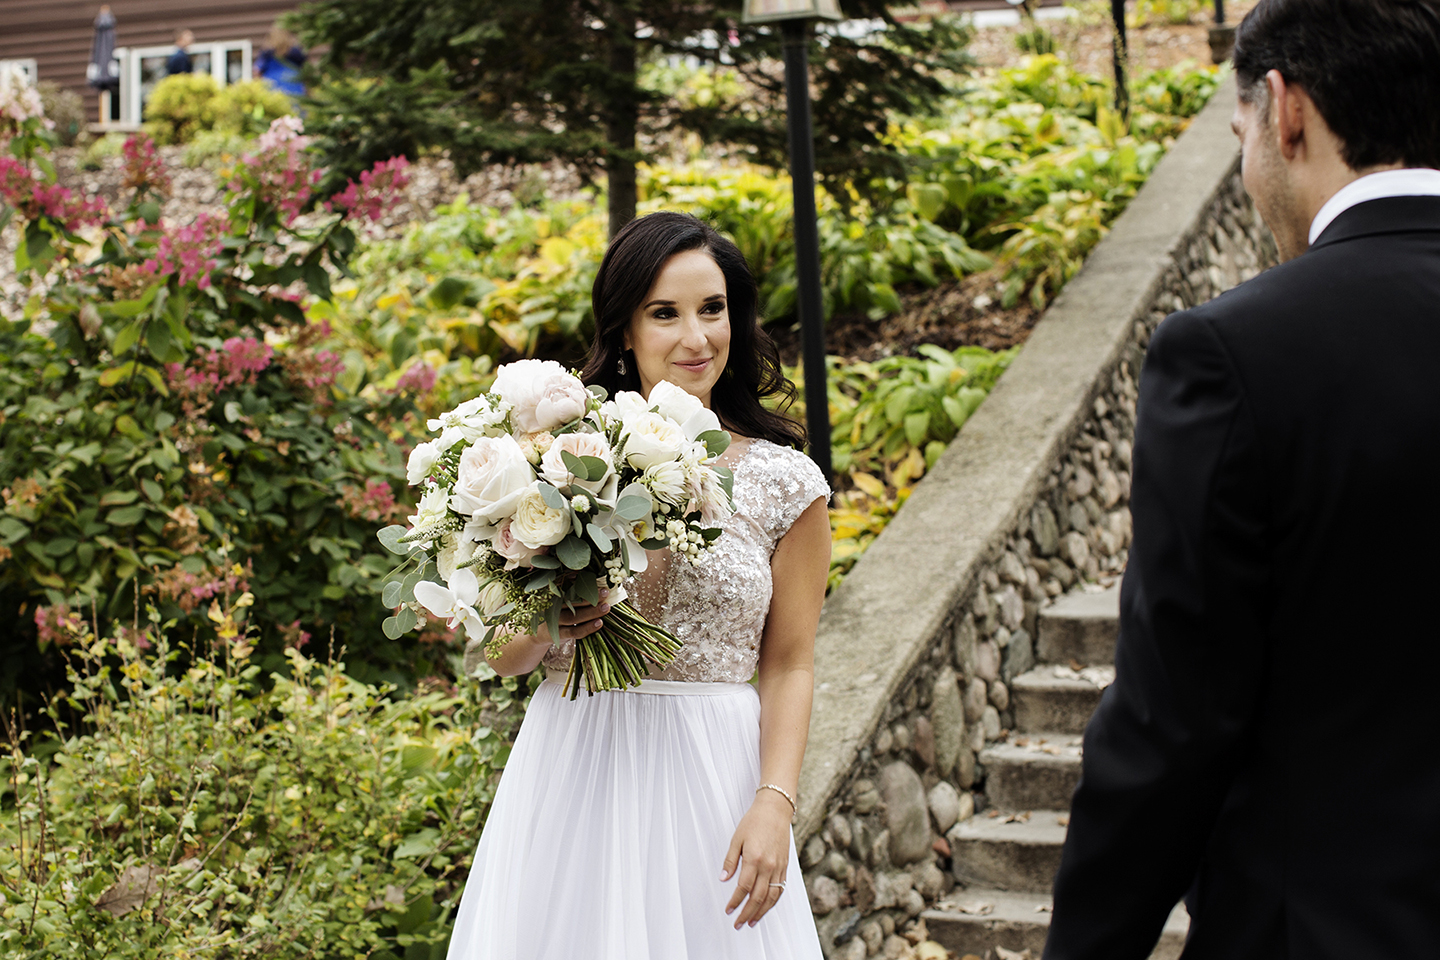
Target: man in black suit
[(1270, 743)]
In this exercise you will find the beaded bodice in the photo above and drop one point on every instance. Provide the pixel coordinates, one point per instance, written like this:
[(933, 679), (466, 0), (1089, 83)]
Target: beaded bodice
[(718, 609)]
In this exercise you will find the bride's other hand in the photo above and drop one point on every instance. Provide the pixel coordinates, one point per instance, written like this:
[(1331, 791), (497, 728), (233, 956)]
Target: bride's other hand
[(761, 850), (523, 652)]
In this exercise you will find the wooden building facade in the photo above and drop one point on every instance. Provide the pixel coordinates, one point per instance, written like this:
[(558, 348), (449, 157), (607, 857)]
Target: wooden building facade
[(57, 34)]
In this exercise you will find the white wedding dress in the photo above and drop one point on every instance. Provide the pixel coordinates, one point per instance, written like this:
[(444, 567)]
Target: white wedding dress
[(612, 820)]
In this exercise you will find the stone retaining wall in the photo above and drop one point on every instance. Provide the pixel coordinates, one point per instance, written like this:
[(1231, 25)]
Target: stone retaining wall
[(917, 647)]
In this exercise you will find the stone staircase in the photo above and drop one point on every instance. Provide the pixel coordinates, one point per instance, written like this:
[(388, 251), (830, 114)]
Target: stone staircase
[(1006, 856)]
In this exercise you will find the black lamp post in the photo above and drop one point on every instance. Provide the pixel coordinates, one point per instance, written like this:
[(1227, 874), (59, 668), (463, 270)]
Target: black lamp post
[(794, 17), (1122, 53), (1222, 35)]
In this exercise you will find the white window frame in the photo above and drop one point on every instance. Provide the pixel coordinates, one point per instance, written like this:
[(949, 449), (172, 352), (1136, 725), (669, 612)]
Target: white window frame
[(26, 66), (132, 107)]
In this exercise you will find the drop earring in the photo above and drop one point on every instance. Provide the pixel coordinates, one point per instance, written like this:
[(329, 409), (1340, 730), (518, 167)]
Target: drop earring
[(620, 366)]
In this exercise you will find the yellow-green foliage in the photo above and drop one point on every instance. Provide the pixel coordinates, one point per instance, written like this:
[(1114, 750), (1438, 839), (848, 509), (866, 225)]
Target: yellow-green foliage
[(178, 107), (187, 104), (246, 108), (197, 810)]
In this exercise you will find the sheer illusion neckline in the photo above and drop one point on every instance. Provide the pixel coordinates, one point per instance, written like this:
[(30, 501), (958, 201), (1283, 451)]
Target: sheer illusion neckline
[(649, 591)]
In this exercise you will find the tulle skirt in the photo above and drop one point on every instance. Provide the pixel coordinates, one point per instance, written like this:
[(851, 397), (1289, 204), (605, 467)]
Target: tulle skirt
[(610, 828)]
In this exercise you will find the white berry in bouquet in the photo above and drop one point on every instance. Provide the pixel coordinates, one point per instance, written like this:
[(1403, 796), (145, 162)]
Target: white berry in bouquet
[(542, 492)]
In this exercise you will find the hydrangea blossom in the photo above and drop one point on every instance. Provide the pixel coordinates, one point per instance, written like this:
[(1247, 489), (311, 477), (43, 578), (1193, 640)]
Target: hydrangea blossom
[(377, 192), (34, 198), (191, 250), (143, 167), (19, 100), (282, 173)]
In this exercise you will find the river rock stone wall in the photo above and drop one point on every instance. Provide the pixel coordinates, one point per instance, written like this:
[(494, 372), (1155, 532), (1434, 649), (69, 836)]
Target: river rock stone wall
[(881, 854)]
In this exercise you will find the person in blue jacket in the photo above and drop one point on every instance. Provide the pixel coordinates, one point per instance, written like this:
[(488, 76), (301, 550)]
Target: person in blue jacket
[(279, 63)]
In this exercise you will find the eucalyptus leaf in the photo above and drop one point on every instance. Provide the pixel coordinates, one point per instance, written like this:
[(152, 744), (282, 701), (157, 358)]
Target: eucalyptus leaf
[(600, 537), (391, 628), (633, 508), (578, 467), (390, 539), (554, 499), (573, 552), (716, 441)]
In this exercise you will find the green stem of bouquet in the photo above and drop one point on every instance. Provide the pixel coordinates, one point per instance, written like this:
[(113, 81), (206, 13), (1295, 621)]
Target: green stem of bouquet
[(620, 654)]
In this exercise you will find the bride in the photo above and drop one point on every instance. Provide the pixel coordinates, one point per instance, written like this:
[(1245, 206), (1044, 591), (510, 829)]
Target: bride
[(654, 823)]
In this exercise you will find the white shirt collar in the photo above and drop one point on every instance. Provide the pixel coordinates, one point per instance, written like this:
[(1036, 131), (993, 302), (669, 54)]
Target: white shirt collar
[(1409, 182)]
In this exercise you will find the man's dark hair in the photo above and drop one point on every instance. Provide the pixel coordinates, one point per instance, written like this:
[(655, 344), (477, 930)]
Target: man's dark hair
[(1371, 66)]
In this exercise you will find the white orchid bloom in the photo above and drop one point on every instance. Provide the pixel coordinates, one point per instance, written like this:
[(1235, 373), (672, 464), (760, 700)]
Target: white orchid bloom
[(471, 420), (454, 603)]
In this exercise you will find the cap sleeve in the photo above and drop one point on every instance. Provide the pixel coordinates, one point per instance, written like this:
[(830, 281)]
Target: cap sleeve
[(798, 483)]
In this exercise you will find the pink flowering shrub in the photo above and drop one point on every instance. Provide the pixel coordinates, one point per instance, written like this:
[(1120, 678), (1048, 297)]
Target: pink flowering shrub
[(191, 250), (144, 170), (34, 199), (418, 378), (373, 504), (179, 431), (279, 172), (377, 193)]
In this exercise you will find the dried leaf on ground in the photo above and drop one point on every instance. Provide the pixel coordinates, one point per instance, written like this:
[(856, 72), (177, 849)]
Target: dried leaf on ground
[(136, 884)]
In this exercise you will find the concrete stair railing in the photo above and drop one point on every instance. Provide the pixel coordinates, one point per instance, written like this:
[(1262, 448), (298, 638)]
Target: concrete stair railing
[(1007, 855)]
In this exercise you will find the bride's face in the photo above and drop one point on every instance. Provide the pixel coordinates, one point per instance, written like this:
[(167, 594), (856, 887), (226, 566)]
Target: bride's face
[(681, 331)]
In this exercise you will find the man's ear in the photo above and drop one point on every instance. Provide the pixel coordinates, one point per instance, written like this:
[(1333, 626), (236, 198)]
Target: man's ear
[(1288, 104)]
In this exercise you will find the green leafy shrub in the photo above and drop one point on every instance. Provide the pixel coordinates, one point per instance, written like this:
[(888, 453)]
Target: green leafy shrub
[(175, 426), (179, 107), (245, 109), (66, 109), (186, 105), (1168, 11), (194, 811)]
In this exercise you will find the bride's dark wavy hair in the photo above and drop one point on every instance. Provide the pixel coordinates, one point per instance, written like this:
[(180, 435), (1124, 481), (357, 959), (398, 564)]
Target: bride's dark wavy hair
[(752, 372)]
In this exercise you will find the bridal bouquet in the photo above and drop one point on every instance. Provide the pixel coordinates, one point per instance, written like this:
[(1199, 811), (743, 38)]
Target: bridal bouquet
[(541, 493)]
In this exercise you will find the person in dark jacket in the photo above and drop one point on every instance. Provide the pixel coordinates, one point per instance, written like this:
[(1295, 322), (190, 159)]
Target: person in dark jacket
[(179, 61), (1268, 742)]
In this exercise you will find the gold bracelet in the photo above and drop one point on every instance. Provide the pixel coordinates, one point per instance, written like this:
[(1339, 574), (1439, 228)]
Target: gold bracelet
[(788, 799)]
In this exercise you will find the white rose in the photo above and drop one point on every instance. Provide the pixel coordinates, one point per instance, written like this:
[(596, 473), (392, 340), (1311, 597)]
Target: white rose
[(683, 408), (492, 598), (626, 404), (542, 394), (493, 474), (652, 439), (422, 458), (536, 523), (455, 549), (516, 554), (666, 481), (552, 464)]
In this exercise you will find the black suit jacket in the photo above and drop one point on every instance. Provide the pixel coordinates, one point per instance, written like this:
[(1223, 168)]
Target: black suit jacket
[(1271, 737)]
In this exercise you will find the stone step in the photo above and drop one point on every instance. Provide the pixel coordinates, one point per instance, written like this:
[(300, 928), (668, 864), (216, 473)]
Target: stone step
[(1058, 698), (976, 920), (1032, 771), (1019, 851), (1080, 627)]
